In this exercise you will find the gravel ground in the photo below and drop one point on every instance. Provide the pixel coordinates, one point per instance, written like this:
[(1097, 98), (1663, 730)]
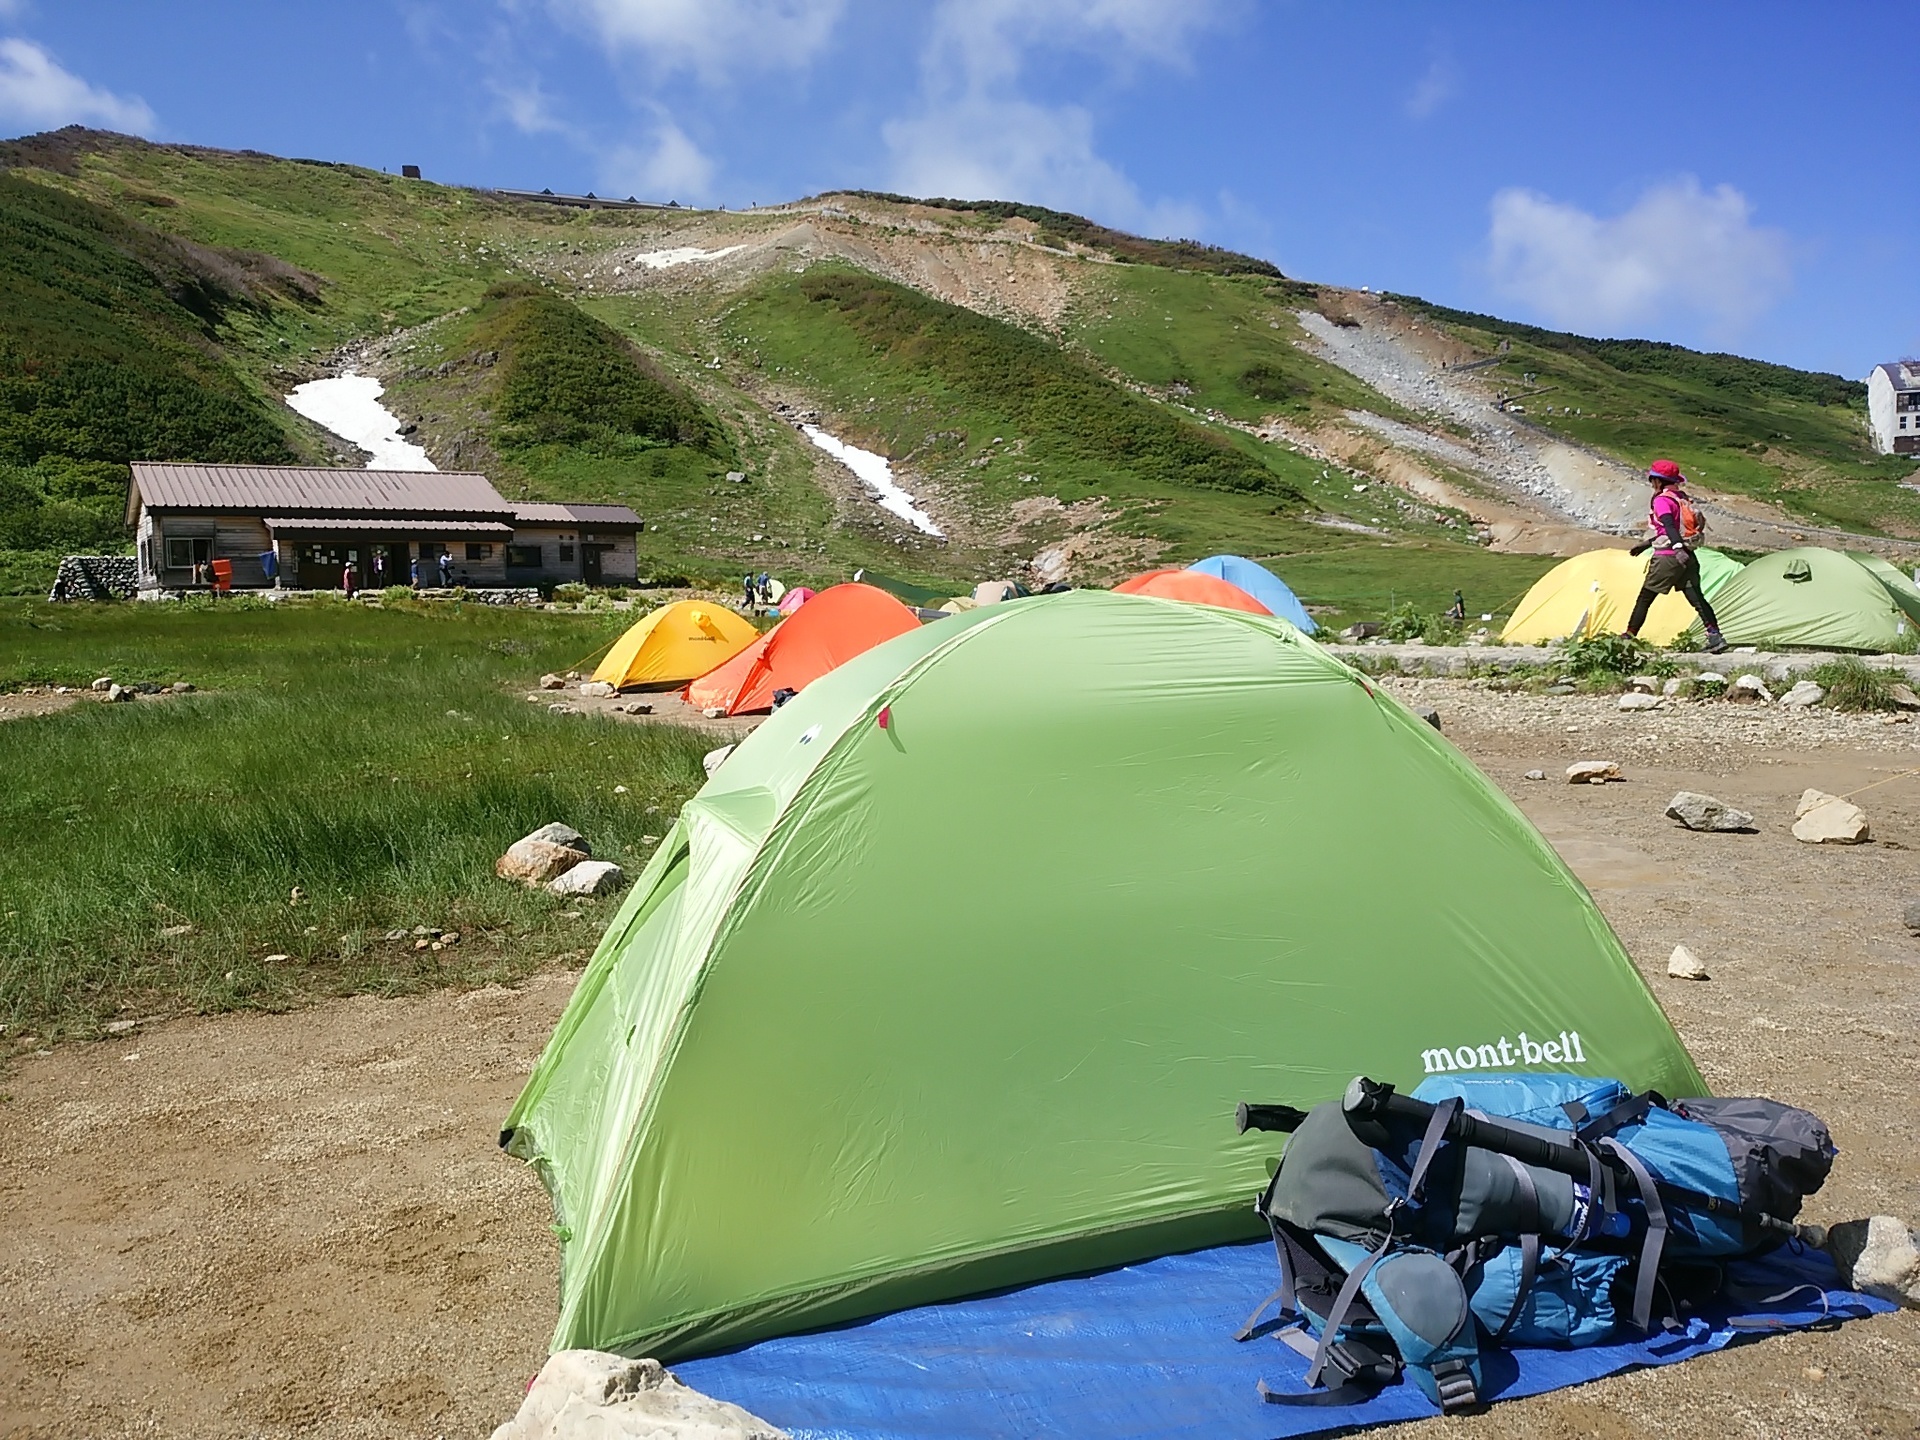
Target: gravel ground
[(300, 1225)]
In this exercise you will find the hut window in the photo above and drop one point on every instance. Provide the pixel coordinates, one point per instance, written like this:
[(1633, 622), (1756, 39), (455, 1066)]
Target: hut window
[(186, 551), (566, 552), (476, 550), (524, 556)]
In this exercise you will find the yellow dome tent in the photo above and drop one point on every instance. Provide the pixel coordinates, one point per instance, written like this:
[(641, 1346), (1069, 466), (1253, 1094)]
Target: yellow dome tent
[(1593, 594), (675, 644)]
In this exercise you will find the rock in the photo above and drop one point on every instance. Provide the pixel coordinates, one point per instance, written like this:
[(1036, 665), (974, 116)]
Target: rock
[(715, 712), (119, 694), (1432, 717), (1750, 688), (452, 937), (1639, 700), (589, 1395), (1672, 687), (1593, 772), (268, 960), (1824, 819), (1708, 677), (1903, 696), (714, 759), (103, 684), (563, 709), (619, 789), (1878, 1257), (393, 935), (1703, 812), (589, 877), (555, 833), (639, 708), (1536, 774), (181, 687), (1645, 684), (1365, 630), (122, 1027), (174, 932), (737, 477), (1912, 916), (1803, 696), (1563, 687), (1683, 964), (553, 682), (598, 689), (535, 862)]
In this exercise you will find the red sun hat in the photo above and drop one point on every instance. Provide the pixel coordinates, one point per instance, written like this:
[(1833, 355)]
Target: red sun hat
[(1665, 471)]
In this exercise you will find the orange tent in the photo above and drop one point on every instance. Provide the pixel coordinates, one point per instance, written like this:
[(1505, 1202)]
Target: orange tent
[(1194, 587), (830, 629), (720, 684)]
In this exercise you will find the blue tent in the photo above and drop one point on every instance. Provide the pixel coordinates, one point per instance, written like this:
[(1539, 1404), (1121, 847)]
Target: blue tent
[(1261, 583)]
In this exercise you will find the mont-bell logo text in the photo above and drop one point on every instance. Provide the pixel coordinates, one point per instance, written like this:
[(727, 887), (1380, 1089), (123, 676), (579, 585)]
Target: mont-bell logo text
[(1505, 1054)]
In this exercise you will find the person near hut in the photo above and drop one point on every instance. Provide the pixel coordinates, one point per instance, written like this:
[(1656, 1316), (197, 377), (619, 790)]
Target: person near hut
[(350, 577), (445, 564)]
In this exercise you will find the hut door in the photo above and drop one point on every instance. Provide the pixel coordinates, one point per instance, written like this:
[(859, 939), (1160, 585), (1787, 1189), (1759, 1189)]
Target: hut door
[(590, 563)]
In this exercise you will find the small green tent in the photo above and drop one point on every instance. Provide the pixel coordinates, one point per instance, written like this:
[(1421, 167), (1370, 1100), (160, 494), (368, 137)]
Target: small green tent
[(818, 1070), (1812, 598)]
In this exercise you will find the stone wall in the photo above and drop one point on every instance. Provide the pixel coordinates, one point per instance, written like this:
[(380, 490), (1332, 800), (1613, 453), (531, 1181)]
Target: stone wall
[(96, 577)]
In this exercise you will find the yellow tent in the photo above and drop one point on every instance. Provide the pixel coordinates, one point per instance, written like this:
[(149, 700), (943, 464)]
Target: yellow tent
[(1593, 594), (675, 644)]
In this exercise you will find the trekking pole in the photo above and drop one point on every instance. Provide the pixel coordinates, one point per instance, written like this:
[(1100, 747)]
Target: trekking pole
[(1376, 1100)]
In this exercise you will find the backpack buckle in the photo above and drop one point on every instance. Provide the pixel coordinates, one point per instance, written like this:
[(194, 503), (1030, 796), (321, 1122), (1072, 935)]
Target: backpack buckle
[(1453, 1379)]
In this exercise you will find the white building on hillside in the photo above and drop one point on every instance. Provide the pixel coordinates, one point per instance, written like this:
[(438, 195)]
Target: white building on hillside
[(1893, 407)]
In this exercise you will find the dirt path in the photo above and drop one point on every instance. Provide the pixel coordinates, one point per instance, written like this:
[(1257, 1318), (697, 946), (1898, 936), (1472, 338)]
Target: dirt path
[(300, 1225)]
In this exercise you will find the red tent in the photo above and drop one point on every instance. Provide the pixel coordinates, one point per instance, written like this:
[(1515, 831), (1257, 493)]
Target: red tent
[(1194, 587), (830, 629)]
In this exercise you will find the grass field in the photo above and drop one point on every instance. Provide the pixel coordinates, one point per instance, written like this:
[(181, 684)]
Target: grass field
[(378, 760)]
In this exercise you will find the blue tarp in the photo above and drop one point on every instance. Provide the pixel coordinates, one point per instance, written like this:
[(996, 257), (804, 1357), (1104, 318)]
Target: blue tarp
[(1261, 583), (1144, 1351)]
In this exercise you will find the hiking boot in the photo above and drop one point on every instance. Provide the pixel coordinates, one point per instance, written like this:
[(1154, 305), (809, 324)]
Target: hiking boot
[(1716, 643)]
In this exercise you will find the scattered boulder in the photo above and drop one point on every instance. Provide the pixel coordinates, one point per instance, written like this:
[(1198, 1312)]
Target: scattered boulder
[(1804, 696), (1536, 774), (554, 833), (103, 684), (1878, 1257), (1912, 916), (1431, 716), (1903, 696), (553, 682), (1703, 812), (589, 877), (1561, 687), (1750, 688), (598, 689), (1645, 684), (1365, 630), (586, 1393), (563, 709), (1683, 964), (714, 759), (1593, 772), (535, 859), (1824, 819), (1672, 687), (181, 687), (122, 1027), (1709, 678), (1639, 700), (120, 694), (715, 712)]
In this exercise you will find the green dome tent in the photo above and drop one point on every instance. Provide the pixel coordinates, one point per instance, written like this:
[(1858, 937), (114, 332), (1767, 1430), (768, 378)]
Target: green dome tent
[(1817, 599), (951, 976)]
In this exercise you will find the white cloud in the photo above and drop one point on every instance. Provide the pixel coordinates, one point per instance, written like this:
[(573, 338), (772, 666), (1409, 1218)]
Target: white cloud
[(35, 91), (976, 136), (669, 167), (1678, 250), (529, 109), (1439, 85), (712, 38)]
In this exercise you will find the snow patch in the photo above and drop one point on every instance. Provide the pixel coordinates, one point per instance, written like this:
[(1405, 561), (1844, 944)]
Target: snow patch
[(876, 474), (349, 405), (681, 255)]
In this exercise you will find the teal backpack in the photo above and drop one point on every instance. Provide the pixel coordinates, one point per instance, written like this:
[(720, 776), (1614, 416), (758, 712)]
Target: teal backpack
[(1556, 1210)]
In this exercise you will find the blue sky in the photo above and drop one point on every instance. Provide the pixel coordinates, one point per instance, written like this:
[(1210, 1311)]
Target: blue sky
[(1725, 176)]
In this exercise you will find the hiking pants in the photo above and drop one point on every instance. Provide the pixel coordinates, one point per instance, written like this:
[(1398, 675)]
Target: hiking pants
[(1678, 571)]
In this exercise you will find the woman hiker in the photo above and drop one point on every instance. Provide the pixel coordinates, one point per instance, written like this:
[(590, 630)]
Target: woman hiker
[(1673, 566)]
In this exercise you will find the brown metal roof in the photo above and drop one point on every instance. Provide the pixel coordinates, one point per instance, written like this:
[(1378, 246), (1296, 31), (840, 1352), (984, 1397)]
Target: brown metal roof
[(383, 525), (534, 513), (312, 490)]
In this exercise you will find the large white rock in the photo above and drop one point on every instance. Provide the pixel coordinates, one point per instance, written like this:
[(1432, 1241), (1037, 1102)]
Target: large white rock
[(597, 689), (1703, 812), (554, 833), (1749, 687), (1593, 772), (589, 877), (1803, 696), (1683, 964), (588, 1395), (1639, 700), (1878, 1257), (714, 759), (1903, 696), (1823, 819)]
